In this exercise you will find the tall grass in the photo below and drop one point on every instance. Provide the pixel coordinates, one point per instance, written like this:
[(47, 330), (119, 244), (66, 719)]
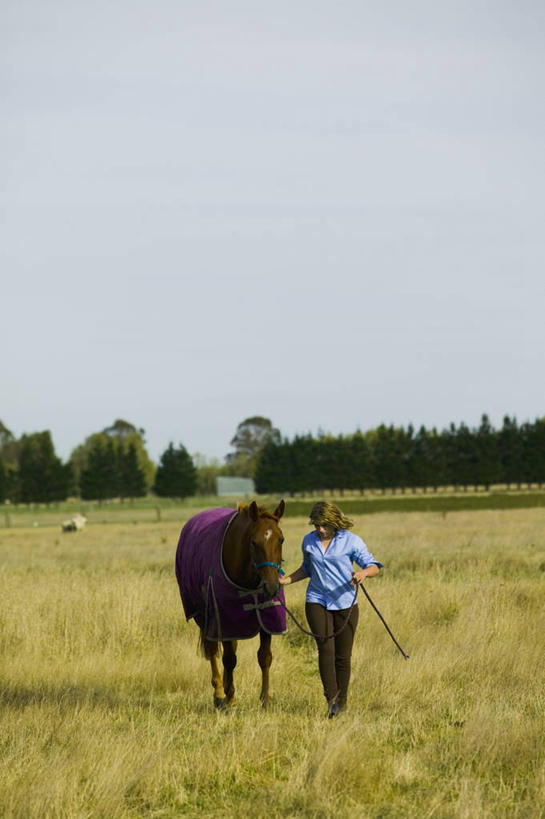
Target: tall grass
[(106, 707)]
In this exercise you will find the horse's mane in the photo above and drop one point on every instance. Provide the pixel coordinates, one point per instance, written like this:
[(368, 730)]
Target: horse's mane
[(263, 513)]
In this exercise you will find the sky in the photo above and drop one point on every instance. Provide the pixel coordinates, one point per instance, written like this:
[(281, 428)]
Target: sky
[(328, 214)]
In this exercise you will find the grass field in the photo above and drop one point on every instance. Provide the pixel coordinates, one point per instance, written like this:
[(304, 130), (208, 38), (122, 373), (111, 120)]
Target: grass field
[(106, 707), (157, 510)]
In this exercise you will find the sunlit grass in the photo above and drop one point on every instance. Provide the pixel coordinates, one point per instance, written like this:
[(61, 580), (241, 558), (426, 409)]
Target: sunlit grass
[(106, 707)]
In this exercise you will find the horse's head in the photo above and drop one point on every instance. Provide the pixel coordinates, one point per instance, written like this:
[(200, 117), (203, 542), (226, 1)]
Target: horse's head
[(266, 541)]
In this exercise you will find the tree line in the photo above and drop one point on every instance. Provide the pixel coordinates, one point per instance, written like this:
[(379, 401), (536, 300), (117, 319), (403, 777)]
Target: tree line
[(109, 464), (393, 458), (114, 463)]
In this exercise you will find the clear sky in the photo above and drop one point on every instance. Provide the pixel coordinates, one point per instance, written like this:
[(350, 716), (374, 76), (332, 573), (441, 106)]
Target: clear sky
[(330, 214)]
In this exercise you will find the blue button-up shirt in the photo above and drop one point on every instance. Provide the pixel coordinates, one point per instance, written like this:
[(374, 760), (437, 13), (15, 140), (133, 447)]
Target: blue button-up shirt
[(330, 573)]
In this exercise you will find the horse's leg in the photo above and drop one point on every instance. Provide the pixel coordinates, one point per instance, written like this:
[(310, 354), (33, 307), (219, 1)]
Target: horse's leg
[(229, 660), (211, 652), (264, 658)]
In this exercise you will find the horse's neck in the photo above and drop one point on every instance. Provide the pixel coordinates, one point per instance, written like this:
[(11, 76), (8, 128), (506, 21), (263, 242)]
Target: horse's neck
[(236, 551)]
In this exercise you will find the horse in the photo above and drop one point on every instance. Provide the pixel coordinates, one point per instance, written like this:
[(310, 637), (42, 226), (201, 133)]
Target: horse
[(227, 567)]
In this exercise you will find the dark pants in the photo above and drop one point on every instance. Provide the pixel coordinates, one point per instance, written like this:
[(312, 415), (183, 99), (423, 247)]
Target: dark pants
[(333, 655)]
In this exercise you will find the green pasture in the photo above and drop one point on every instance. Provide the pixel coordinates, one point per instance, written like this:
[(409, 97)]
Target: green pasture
[(157, 510), (106, 706)]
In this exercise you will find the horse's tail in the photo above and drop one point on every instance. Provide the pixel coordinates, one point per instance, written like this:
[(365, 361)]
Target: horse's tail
[(207, 648)]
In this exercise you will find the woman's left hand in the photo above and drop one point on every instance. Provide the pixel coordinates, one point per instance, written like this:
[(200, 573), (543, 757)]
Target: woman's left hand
[(358, 577), (361, 574)]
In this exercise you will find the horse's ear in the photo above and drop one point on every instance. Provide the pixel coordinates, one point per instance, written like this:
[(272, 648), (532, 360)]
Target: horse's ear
[(279, 511), (252, 511)]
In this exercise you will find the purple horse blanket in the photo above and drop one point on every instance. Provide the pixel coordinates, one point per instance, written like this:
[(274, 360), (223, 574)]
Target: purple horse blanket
[(223, 610)]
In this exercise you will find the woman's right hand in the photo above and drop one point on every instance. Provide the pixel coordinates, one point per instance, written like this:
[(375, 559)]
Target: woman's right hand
[(284, 581)]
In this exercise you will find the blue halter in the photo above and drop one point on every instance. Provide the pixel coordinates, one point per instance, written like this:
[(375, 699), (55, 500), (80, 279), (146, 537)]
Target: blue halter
[(269, 563), (265, 562)]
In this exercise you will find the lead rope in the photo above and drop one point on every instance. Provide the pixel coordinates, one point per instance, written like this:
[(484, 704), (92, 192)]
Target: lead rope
[(336, 633), (320, 636), (385, 624)]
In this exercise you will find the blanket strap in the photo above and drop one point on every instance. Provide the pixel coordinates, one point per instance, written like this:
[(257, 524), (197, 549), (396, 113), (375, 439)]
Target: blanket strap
[(210, 593), (255, 606)]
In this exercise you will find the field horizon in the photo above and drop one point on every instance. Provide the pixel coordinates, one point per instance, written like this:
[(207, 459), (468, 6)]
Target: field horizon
[(152, 509)]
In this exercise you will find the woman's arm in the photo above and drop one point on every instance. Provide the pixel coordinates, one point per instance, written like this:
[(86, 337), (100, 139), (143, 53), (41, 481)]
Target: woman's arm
[(294, 577)]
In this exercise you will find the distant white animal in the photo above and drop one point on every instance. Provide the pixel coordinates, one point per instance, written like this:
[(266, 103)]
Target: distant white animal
[(75, 524)]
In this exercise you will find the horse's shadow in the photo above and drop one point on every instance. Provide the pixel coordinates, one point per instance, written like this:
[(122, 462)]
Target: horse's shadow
[(66, 697)]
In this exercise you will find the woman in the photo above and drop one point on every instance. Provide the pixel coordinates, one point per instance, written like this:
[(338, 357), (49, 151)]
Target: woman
[(328, 554)]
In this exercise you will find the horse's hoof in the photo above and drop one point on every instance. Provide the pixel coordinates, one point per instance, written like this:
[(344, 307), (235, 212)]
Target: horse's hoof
[(220, 703)]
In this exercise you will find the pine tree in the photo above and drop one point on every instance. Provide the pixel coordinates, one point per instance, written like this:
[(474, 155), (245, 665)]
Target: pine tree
[(465, 457), (385, 459), (332, 458), (510, 451), (3, 482), (359, 466), (487, 467), (41, 475), (131, 478), (533, 437), (270, 469), (98, 480), (176, 475)]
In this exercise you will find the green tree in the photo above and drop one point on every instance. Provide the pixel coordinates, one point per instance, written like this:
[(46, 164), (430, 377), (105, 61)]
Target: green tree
[(125, 435), (437, 458), (42, 478), (250, 437), (272, 468), (403, 440), (131, 479), (122, 430), (12, 484), (176, 474), (122, 434), (385, 455), (487, 466), (511, 452), (99, 478), (331, 470), (533, 443), (9, 447), (419, 471), (3, 482), (286, 466), (465, 457), (303, 464), (448, 447), (359, 466), (427, 463)]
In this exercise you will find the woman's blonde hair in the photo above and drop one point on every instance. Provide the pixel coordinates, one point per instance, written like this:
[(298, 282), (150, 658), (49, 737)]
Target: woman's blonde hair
[(327, 514)]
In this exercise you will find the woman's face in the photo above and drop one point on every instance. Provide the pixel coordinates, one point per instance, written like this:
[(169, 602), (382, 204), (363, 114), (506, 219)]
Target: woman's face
[(325, 531)]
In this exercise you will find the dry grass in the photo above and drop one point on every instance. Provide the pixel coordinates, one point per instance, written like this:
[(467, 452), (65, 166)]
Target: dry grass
[(106, 708)]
